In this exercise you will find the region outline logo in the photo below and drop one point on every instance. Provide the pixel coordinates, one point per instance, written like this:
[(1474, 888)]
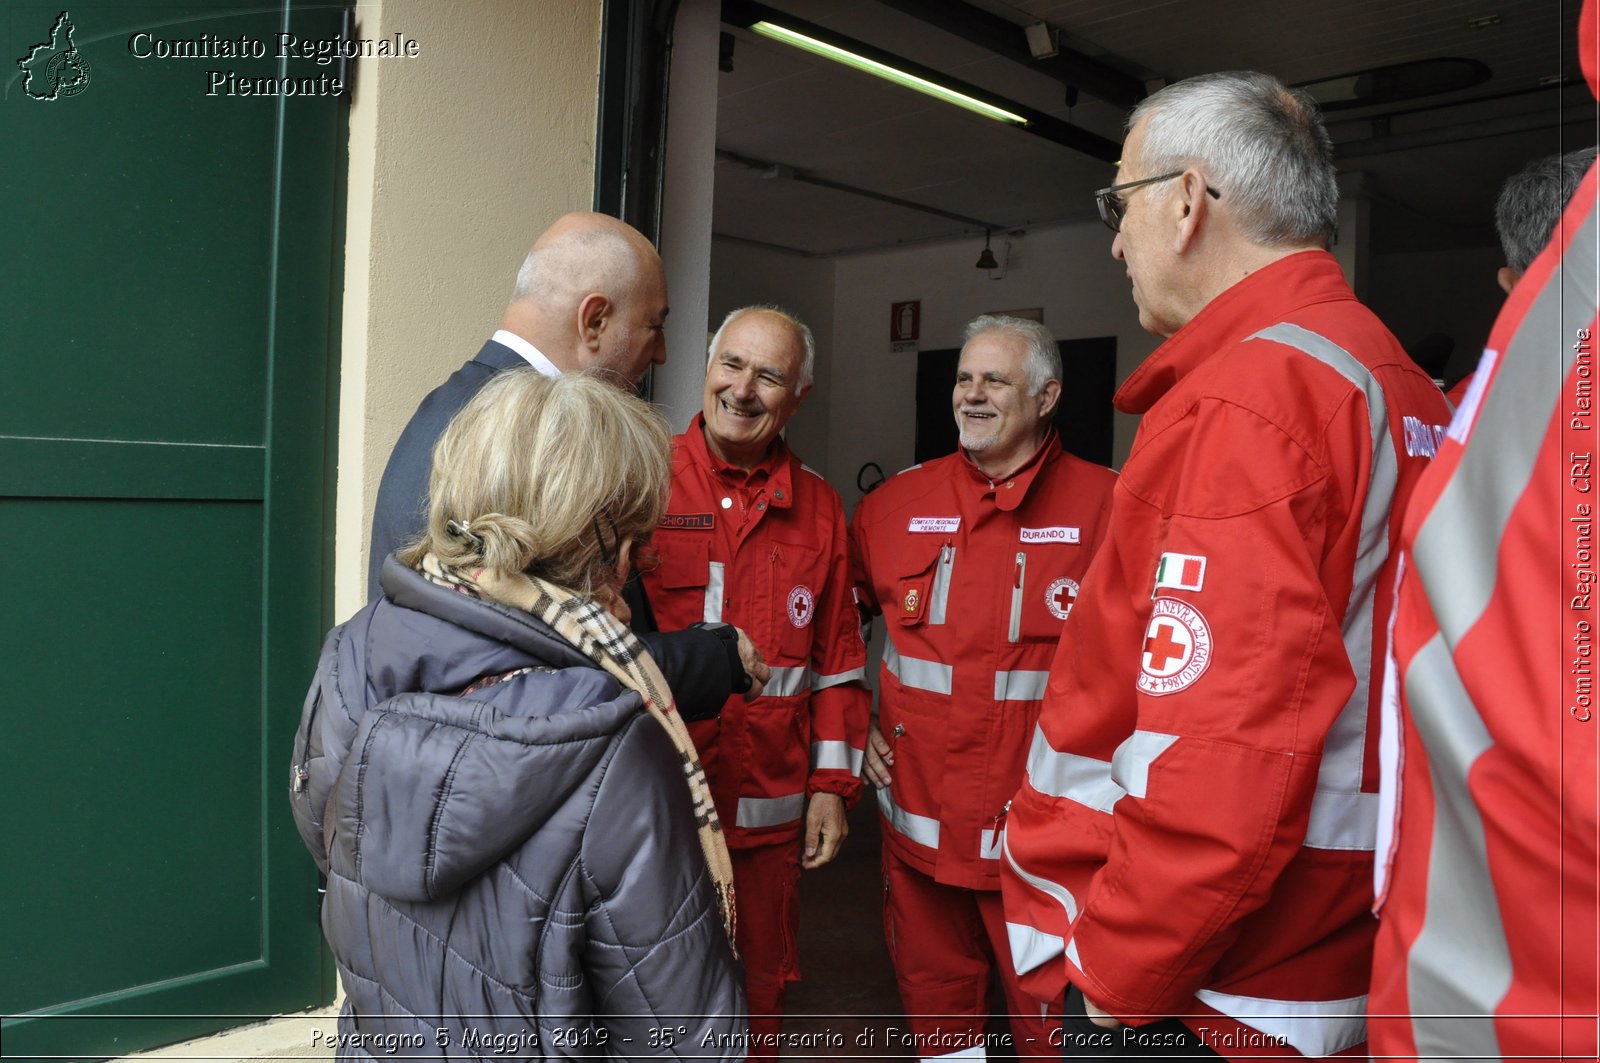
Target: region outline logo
[(56, 64)]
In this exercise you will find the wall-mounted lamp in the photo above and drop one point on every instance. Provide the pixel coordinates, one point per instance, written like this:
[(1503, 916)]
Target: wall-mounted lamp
[(986, 259)]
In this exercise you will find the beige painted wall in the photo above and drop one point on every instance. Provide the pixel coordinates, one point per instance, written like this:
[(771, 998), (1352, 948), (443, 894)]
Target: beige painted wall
[(458, 159)]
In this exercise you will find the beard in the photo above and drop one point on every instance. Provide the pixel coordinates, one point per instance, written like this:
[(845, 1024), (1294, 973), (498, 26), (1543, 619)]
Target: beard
[(978, 439)]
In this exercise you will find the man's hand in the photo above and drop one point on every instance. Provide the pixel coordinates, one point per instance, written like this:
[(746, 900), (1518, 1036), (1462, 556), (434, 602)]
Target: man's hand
[(754, 666), (1099, 1016), (825, 829), (880, 757)]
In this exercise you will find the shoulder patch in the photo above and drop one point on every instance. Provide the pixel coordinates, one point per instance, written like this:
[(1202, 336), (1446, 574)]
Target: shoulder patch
[(1177, 648)]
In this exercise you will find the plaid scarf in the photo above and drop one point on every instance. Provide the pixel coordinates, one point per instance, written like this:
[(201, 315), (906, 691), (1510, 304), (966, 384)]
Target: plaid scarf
[(604, 639)]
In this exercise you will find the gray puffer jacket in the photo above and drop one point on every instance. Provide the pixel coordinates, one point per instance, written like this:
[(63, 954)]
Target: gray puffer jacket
[(512, 873)]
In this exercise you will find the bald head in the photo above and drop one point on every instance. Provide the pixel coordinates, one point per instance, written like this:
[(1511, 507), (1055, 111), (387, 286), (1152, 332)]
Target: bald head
[(591, 296)]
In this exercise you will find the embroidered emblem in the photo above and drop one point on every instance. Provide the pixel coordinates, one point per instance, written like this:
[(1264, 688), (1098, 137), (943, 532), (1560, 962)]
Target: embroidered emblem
[(1060, 595), (1049, 535), (801, 605), (913, 599), (940, 525), (1177, 647), (688, 520), (1184, 572)]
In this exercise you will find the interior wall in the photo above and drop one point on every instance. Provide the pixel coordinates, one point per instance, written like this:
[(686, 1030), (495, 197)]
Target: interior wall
[(452, 175), (687, 182), (1453, 292), (1067, 271), (742, 274)]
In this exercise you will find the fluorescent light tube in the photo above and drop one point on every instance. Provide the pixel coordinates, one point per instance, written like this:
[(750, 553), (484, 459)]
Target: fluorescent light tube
[(775, 32)]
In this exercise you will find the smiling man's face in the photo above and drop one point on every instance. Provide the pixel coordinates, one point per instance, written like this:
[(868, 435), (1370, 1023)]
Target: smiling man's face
[(1000, 422), (752, 386)]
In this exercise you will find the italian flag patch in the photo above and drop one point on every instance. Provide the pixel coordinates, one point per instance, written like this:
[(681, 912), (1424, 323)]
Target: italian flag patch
[(1184, 572)]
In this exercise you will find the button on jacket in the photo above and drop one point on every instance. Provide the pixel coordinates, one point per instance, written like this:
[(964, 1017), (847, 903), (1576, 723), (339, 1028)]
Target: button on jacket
[(974, 579), (1196, 828), (766, 551)]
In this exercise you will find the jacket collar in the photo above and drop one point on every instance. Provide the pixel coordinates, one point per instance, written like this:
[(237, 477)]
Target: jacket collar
[(1262, 298), (1010, 492), (775, 470)]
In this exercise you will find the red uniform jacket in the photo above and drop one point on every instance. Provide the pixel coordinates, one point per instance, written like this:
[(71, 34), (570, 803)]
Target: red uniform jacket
[(767, 552), (974, 579), (1490, 905), (1195, 832)]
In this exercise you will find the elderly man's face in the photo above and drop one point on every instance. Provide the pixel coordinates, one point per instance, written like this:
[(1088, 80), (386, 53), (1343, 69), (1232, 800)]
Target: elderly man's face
[(752, 386), (1144, 244)]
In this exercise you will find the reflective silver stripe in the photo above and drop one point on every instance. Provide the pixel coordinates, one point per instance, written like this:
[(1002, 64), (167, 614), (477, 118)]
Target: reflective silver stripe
[(920, 829), (1082, 779), (1312, 1027), (769, 811), (1032, 948), (1091, 782), (916, 672), (714, 594), (940, 597), (1130, 764), (1055, 891), (989, 844), (839, 755), (1020, 685), (976, 1052), (823, 682), (787, 682), (1460, 964), (1332, 824)]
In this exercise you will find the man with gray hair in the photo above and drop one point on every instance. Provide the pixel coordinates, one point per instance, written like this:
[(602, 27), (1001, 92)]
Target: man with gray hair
[(590, 297), (974, 560), (1195, 833), (754, 538)]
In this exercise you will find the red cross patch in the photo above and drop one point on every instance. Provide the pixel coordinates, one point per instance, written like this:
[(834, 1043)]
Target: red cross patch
[(1177, 647), (802, 603), (1059, 596)]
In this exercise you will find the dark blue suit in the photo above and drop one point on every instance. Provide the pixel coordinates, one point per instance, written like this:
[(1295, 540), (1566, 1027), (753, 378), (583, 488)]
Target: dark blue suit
[(694, 662)]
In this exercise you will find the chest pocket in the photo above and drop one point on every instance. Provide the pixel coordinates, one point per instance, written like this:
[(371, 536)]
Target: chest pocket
[(1044, 586), (920, 594), (798, 575), (686, 567)]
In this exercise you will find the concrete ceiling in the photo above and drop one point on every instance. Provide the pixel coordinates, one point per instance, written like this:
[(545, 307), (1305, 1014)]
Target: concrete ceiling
[(822, 160)]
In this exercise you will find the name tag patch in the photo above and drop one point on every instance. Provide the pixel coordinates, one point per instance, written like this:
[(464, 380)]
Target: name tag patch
[(1050, 535), (689, 520), (934, 525)]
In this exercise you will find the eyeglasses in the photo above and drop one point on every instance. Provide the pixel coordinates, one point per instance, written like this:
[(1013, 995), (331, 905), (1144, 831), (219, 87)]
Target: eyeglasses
[(1113, 206)]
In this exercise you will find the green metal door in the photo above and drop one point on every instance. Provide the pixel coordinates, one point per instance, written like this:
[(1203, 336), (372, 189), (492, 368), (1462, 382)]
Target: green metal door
[(168, 328)]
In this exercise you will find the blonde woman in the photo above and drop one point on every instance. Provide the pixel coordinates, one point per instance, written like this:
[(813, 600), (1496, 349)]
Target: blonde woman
[(522, 859)]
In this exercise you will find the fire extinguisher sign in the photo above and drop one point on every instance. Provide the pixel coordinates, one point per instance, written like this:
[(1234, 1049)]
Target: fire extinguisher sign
[(905, 325)]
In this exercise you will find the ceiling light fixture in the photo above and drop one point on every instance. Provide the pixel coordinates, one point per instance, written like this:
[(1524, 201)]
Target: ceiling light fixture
[(986, 259), (783, 34)]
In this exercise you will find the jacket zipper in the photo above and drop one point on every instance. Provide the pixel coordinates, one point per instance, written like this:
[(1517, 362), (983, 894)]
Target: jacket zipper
[(1016, 596)]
